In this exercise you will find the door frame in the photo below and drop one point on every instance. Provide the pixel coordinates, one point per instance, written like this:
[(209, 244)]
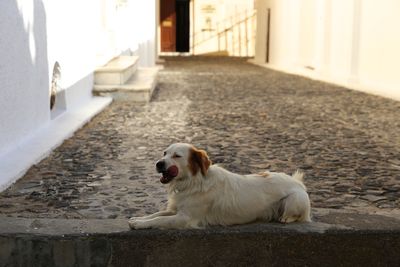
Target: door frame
[(192, 36)]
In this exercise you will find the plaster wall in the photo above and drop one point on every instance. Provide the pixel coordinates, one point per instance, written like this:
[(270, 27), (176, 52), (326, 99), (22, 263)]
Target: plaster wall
[(24, 81), (379, 53), (261, 37), (79, 35), (340, 34), (307, 40), (141, 19), (73, 43), (223, 27), (351, 43), (284, 15)]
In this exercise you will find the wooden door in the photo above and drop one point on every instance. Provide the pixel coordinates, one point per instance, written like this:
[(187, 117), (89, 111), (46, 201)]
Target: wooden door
[(168, 25)]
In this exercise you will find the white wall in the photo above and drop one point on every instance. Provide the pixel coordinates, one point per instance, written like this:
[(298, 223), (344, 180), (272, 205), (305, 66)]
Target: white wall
[(79, 35), (283, 32), (143, 18), (72, 41), (24, 64), (341, 36), (380, 46), (354, 43)]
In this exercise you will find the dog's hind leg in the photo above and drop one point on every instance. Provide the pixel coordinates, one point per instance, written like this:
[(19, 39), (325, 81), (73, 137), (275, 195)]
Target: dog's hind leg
[(295, 207)]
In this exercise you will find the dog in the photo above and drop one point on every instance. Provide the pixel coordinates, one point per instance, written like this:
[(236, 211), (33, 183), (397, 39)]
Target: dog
[(201, 194)]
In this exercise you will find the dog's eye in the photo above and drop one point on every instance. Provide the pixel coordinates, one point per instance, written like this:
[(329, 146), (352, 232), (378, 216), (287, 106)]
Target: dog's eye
[(165, 153), (177, 156)]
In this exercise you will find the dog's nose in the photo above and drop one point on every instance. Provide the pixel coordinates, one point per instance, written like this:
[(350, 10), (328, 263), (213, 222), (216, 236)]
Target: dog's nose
[(160, 165)]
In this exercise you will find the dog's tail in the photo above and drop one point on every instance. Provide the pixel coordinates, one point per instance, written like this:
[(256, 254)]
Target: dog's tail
[(298, 175)]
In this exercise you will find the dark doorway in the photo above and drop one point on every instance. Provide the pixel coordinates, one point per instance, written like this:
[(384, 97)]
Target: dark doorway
[(182, 25)]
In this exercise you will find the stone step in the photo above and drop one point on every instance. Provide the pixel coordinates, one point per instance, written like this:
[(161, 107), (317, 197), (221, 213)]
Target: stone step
[(138, 88), (117, 71)]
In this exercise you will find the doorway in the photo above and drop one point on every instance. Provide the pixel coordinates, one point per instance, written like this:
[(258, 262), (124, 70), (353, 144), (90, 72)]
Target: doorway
[(175, 25), (182, 25)]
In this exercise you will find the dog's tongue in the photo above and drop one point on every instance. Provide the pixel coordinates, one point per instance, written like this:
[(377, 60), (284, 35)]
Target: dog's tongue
[(169, 174), (172, 171)]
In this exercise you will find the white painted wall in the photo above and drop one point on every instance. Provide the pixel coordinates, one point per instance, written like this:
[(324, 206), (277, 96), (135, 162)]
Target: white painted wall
[(143, 18), (354, 43), (308, 34), (379, 53), (340, 35), (72, 42), (24, 64), (80, 35)]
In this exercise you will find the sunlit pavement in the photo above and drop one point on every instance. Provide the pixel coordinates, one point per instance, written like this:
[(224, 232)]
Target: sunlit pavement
[(248, 118)]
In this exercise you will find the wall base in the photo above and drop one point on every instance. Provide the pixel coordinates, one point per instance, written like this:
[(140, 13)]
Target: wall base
[(36, 147)]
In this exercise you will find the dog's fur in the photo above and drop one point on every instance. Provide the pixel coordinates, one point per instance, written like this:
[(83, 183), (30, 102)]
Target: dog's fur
[(202, 194)]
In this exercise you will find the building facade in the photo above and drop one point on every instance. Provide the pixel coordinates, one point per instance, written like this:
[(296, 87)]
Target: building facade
[(349, 42), (207, 27)]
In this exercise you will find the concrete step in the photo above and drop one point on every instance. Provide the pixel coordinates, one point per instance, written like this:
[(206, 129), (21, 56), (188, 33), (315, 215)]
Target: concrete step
[(138, 88), (335, 238), (117, 71)]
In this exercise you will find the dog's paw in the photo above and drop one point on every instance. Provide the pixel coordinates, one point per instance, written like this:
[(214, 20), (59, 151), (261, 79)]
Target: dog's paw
[(134, 223), (288, 219)]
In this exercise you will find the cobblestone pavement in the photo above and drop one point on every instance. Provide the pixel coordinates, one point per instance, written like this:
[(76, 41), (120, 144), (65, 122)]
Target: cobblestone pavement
[(248, 118)]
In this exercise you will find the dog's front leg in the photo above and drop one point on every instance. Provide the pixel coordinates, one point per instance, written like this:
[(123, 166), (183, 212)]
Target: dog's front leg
[(177, 221), (154, 215)]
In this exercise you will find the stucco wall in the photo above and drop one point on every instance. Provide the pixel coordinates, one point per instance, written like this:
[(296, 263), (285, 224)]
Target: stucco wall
[(142, 21), (79, 35), (380, 45), (24, 92), (73, 44), (224, 27), (352, 43)]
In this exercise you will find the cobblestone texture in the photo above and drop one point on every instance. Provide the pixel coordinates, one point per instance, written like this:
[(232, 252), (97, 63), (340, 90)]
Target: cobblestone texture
[(248, 118)]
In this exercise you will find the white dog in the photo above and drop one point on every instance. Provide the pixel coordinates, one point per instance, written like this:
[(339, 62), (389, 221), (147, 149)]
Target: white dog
[(201, 194)]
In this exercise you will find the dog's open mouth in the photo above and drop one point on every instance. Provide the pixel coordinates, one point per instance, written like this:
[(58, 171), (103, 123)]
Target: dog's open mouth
[(169, 174)]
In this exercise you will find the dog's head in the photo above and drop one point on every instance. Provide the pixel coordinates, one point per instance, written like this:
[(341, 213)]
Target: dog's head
[(181, 161)]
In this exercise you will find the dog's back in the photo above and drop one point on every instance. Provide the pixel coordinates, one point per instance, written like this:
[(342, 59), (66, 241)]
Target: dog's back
[(237, 199)]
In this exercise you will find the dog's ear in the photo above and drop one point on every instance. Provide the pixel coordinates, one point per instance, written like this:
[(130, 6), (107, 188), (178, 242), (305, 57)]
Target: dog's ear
[(198, 160)]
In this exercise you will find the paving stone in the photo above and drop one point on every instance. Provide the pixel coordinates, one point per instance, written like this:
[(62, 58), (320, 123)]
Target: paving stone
[(112, 208), (248, 118), (373, 198)]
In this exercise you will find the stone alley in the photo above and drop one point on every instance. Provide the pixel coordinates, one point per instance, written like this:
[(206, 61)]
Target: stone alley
[(248, 118)]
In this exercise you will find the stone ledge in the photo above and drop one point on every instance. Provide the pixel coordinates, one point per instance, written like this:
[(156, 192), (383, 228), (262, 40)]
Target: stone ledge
[(138, 88), (117, 71), (62, 242), (118, 64)]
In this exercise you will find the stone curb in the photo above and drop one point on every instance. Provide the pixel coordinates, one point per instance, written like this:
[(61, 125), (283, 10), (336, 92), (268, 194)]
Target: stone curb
[(358, 240)]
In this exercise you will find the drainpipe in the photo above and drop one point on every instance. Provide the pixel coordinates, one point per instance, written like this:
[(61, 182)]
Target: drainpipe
[(355, 46)]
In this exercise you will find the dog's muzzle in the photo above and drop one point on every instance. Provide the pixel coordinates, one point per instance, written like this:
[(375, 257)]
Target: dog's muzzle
[(167, 173)]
